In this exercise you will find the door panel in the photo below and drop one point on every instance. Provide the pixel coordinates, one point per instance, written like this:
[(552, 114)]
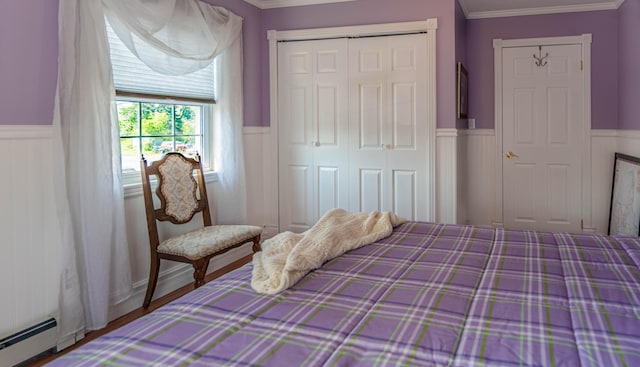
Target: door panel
[(524, 119), (404, 194), (370, 115), (558, 183), (313, 131), (331, 126), (524, 180), (370, 190), (328, 189), (542, 127), (387, 124), (295, 150), (298, 187), (299, 107), (328, 122), (403, 115), (558, 102)]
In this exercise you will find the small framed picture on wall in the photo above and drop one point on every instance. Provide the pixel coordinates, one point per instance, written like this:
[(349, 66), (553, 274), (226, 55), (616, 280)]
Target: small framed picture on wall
[(463, 92)]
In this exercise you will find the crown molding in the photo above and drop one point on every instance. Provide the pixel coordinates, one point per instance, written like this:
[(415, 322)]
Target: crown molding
[(539, 11), (463, 6), (256, 3), (270, 4)]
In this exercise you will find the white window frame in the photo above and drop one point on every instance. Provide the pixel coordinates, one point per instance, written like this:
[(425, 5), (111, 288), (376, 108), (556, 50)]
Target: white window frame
[(132, 181)]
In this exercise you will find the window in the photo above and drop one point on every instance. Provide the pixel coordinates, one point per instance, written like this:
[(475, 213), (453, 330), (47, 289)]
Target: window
[(160, 113), (152, 128)]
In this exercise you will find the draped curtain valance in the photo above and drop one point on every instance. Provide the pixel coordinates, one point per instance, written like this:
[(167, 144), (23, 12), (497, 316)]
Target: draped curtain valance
[(173, 37)]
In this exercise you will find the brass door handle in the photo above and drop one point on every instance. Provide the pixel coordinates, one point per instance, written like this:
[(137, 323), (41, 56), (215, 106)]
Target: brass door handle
[(511, 154)]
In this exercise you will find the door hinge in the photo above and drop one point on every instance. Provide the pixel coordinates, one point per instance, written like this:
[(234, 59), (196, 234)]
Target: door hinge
[(581, 65), (582, 224)]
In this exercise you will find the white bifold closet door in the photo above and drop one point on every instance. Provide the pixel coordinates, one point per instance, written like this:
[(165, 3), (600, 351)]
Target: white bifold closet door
[(352, 127), (387, 125), (313, 130)]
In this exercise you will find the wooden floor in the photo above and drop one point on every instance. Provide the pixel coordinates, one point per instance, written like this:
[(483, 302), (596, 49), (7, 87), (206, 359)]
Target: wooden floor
[(139, 312)]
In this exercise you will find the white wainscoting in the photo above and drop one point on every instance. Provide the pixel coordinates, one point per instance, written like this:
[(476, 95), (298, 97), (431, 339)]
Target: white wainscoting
[(477, 178), (30, 264), (28, 227), (479, 174), (465, 194), (447, 163)]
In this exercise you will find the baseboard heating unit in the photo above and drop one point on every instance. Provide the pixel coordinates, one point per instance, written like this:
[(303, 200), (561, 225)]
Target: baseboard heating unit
[(28, 343)]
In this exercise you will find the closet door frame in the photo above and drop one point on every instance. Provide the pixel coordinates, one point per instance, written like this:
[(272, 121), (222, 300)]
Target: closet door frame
[(429, 26)]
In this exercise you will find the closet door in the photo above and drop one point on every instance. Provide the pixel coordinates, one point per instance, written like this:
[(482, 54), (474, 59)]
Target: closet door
[(387, 122), (313, 136)]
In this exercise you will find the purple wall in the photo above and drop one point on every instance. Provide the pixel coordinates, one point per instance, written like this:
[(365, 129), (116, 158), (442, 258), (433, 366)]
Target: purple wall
[(604, 58), (252, 39), (28, 65), (370, 12), (629, 61), (28, 61), (461, 56)]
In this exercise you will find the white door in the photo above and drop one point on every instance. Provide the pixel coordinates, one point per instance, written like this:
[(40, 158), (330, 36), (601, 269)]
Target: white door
[(387, 125), (313, 132), (542, 137)]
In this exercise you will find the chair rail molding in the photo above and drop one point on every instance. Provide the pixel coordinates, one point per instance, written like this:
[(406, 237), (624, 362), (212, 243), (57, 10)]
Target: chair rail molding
[(29, 132)]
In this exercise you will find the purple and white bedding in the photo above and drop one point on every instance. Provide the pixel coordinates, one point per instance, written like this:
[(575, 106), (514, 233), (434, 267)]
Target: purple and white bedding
[(427, 295)]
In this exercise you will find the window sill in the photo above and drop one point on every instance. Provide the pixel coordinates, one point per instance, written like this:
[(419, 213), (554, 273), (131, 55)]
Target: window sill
[(135, 189)]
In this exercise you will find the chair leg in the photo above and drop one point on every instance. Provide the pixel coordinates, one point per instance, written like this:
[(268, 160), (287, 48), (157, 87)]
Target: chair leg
[(153, 280), (199, 271), (256, 244)]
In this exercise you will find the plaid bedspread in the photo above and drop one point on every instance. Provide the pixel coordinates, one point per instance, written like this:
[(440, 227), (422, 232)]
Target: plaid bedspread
[(428, 295)]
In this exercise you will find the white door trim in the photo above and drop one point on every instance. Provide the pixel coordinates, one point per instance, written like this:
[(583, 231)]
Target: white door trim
[(430, 26), (585, 41)]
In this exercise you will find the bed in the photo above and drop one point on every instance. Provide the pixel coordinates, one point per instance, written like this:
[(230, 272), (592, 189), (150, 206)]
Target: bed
[(427, 295)]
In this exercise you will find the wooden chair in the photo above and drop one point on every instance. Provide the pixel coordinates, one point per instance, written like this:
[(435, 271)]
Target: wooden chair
[(181, 197)]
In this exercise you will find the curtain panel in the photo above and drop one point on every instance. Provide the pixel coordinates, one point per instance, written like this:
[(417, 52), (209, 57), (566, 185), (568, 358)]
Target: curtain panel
[(171, 37)]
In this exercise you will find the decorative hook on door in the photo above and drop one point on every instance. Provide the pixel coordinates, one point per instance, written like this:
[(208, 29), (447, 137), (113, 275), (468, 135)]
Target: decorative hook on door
[(540, 58)]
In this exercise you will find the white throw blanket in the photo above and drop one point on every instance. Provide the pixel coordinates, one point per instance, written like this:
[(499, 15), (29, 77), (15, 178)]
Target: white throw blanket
[(288, 256)]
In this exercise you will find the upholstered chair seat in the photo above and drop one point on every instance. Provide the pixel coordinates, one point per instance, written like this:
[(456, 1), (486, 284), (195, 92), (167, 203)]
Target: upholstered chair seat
[(208, 240)]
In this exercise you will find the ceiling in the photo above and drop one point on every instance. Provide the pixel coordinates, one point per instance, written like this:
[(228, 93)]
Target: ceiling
[(474, 9)]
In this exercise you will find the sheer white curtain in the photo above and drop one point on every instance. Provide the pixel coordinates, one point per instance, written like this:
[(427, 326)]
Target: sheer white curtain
[(88, 173), (172, 37), (231, 198)]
